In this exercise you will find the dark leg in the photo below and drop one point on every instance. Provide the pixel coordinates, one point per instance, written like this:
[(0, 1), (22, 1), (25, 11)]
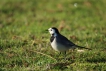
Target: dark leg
[(60, 53), (65, 52), (64, 55)]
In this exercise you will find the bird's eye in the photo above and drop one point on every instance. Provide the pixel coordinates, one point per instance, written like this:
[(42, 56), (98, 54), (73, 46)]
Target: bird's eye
[(51, 30)]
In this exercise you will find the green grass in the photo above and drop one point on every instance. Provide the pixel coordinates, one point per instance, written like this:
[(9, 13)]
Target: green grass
[(24, 44)]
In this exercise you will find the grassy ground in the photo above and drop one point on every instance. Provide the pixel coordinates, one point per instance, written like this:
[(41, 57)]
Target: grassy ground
[(24, 44)]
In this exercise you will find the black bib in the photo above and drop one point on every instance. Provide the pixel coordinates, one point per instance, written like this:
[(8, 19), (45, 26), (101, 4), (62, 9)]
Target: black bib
[(52, 38)]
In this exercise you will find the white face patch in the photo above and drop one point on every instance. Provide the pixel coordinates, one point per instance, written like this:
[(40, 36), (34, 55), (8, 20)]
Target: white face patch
[(52, 31)]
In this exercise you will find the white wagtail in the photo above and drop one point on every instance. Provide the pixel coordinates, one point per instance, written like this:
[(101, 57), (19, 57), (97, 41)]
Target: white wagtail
[(60, 42)]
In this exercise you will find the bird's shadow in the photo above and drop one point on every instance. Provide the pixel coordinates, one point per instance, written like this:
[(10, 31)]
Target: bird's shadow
[(58, 65), (61, 63)]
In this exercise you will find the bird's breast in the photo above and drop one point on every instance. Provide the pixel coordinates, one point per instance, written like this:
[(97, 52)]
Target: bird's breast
[(57, 46)]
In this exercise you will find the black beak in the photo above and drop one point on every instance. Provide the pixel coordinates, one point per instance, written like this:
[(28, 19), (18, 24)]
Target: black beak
[(46, 31)]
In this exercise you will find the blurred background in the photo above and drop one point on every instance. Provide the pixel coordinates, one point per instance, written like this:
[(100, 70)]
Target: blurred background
[(23, 24), (23, 17)]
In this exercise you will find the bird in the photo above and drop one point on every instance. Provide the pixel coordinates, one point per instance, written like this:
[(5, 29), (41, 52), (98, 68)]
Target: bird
[(59, 42)]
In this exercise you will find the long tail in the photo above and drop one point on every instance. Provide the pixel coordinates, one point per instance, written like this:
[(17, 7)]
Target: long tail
[(83, 47)]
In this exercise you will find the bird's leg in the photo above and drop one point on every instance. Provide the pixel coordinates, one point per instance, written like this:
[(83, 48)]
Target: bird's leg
[(65, 55), (59, 56), (59, 53), (65, 52)]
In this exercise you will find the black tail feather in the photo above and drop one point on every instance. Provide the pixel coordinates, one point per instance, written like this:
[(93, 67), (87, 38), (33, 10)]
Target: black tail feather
[(82, 47)]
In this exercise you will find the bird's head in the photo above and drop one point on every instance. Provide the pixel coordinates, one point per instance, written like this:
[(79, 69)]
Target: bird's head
[(53, 31)]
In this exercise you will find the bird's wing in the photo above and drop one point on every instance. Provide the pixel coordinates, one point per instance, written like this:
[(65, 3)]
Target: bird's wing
[(64, 41), (67, 42)]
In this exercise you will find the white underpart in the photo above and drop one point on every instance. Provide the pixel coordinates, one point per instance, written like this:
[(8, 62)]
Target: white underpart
[(58, 47)]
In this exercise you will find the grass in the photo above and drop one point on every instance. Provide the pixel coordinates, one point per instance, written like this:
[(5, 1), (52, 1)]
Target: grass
[(24, 44)]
